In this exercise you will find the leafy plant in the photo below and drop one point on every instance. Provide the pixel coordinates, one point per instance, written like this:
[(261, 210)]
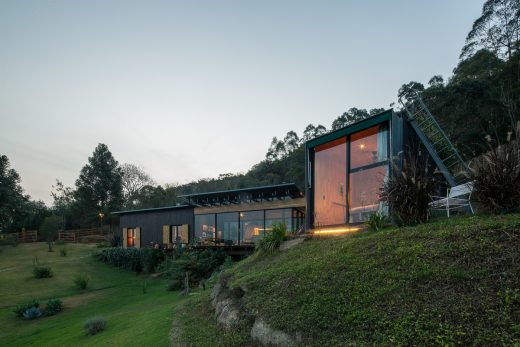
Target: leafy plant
[(53, 306), (496, 175), (272, 241), (32, 313), (94, 325), (63, 252), (134, 259), (42, 272), (81, 281), (20, 309), (115, 240), (408, 191), (377, 221)]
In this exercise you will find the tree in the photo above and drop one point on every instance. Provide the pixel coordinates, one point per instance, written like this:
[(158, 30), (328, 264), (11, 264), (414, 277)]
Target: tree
[(354, 115), (134, 179), (496, 30), (312, 131), (63, 202), (49, 229), (12, 199), (99, 188)]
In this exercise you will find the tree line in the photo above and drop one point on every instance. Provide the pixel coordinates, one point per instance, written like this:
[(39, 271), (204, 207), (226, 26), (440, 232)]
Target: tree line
[(480, 99)]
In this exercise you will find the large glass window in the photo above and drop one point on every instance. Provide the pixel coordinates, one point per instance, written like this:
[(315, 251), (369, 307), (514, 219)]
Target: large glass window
[(369, 146), (365, 187), (330, 186), (282, 216), (204, 227), (368, 167), (251, 226), (227, 228)]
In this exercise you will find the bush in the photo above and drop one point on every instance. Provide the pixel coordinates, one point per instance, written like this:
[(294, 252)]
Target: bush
[(53, 306), (272, 241), (32, 313), (49, 227), (81, 281), (20, 309), (42, 272), (115, 240), (496, 176), (63, 252), (377, 221), (134, 259), (198, 264), (408, 191), (94, 325)]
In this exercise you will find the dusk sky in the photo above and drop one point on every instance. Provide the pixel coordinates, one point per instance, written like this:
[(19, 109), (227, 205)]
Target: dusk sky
[(198, 88)]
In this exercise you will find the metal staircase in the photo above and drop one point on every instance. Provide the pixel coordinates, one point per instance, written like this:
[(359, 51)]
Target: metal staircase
[(439, 147)]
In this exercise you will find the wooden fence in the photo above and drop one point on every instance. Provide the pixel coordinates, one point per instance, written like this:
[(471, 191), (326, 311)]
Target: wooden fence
[(22, 236), (83, 235)]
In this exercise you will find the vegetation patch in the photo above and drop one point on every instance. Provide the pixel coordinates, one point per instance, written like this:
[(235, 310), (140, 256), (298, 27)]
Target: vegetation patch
[(451, 282), (134, 259), (94, 325)]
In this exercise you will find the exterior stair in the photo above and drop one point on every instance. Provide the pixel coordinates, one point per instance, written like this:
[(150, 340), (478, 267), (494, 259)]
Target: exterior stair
[(440, 148)]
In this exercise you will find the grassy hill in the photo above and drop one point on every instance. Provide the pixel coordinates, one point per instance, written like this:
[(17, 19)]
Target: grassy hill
[(133, 318), (449, 282)]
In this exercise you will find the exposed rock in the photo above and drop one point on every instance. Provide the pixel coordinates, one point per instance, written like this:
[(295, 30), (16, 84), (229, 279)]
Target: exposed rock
[(262, 333), (228, 312)]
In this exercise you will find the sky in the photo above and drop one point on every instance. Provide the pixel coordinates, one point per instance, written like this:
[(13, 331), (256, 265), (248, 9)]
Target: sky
[(193, 89)]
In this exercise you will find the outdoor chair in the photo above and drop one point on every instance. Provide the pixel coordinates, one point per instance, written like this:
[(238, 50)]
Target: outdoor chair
[(458, 197)]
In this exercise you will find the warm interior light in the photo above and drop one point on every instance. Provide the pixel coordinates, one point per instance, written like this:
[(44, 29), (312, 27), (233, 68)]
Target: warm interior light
[(362, 146), (256, 231), (342, 230)]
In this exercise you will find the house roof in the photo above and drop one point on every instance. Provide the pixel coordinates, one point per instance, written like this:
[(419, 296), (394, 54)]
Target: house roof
[(175, 207), (245, 195)]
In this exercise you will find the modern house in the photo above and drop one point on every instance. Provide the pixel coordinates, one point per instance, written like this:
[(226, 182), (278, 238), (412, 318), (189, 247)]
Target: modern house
[(346, 168), (225, 218), (345, 171)]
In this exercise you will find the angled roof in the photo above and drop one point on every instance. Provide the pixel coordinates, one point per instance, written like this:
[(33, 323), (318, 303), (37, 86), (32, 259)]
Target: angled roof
[(175, 207), (351, 128), (244, 195)]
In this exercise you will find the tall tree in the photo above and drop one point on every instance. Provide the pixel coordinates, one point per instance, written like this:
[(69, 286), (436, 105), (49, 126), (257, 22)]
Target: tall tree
[(99, 187), (12, 199), (497, 29), (134, 179)]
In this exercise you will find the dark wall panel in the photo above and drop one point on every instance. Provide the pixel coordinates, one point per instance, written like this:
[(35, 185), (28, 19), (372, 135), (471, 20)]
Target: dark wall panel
[(151, 222)]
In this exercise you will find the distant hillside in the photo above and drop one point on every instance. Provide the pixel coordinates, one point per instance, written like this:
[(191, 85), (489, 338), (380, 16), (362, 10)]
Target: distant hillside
[(452, 282)]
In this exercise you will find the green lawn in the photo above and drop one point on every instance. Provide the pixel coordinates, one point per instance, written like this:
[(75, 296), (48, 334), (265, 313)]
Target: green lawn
[(133, 318), (451, 282)]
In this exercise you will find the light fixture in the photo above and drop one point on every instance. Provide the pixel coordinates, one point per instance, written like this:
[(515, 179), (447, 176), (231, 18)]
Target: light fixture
[(343, 230), (362, 146)]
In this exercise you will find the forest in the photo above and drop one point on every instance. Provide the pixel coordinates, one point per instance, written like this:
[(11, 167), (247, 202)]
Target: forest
[(479, 101)]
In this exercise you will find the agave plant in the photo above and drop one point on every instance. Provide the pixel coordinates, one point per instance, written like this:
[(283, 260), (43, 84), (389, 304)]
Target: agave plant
[(32, 313)]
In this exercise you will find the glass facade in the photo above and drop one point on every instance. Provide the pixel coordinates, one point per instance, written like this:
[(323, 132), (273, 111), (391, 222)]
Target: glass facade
[(246, 227), (227, 228), (204, 227), (251, 226), (348, 174), (330, 182)]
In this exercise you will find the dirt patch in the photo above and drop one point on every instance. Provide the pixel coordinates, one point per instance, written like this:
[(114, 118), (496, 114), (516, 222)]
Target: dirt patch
[(81, 299)]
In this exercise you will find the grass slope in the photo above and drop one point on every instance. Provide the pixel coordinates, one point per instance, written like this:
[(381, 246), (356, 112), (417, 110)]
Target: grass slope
[(133, 318), (450, 282)]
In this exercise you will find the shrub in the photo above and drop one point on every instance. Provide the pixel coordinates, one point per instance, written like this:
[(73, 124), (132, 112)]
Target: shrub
[(81, 281), (134, 259), (42, 272), (272, 241), (496, 176), (63, 252), (198, 264), (408, 191), (94, 325), (53, 306), (377, 221), (32, 313), (115, 240), (20, 309), (49, 227)]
